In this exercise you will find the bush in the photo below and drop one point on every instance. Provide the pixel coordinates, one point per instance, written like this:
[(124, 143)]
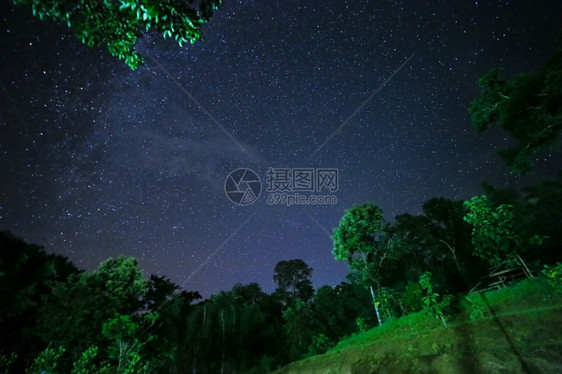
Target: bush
[(320, 344), (46, 362), (412, 297), (361, 323), (476, 310), (433, 303), (554, 276)]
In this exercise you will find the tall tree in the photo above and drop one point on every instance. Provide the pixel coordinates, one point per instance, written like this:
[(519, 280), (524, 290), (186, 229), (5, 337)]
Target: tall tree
[(160, 292), (293, 279), (361, 239), (118, 25), (528, 107)]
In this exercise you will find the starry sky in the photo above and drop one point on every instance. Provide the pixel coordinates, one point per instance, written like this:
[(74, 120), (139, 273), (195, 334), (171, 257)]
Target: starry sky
[(97, 160)]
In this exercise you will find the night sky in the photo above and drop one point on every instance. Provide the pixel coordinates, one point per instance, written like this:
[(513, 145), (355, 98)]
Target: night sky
[(97, 160)]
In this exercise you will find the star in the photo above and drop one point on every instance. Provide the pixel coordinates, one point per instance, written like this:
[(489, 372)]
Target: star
[(97, 160)]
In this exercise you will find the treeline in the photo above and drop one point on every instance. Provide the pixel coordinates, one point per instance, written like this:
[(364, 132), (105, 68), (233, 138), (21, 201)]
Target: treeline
[(57, 319), (425, 261)]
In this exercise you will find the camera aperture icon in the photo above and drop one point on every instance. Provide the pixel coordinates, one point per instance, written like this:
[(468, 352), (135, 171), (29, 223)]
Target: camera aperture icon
[(242, 186)]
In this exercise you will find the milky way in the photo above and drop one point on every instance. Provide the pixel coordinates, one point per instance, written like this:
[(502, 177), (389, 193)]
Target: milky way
[(97, 160)]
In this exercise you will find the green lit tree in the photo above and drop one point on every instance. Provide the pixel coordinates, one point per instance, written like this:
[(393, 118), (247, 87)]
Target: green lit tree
[(88, 363), (528, 107), (537, 211), (493, 234), (127, 336), (433, 303), (362, 240), (80, 305), (118, 25), (123, 350), (47, 362)]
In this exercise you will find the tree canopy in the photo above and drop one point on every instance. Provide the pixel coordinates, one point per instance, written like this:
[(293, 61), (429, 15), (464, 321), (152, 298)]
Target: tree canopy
[(118, 25), (527, 107)]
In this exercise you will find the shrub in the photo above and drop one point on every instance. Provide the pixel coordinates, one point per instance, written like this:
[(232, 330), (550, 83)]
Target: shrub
[(412, 297), (554, 276), (320, 344)]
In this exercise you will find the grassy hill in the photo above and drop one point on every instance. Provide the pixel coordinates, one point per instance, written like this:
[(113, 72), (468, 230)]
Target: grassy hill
[(513, 330)]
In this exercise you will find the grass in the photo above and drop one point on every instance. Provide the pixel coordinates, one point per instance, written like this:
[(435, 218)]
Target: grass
[(394, 328), (511, 330)]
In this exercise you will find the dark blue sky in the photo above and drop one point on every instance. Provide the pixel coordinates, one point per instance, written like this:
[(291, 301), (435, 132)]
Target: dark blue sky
[(97, 160)]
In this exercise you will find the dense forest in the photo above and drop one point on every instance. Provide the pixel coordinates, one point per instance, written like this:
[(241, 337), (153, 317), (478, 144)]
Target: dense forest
[(58, 319)]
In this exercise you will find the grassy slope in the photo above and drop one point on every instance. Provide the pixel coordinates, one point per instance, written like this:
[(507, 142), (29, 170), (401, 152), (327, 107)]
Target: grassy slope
[(527, 322)]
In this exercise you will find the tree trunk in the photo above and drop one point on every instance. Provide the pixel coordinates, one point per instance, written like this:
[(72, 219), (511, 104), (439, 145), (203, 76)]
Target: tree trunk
[(453, 253), (525, 268), (375, 304), (443, 320)]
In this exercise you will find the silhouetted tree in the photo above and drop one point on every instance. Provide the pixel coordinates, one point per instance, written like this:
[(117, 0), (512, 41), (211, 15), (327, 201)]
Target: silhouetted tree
[(27, 275), (293, 279)]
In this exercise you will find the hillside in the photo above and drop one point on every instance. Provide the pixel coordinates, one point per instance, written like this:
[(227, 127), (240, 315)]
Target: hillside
[(522, 328)]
